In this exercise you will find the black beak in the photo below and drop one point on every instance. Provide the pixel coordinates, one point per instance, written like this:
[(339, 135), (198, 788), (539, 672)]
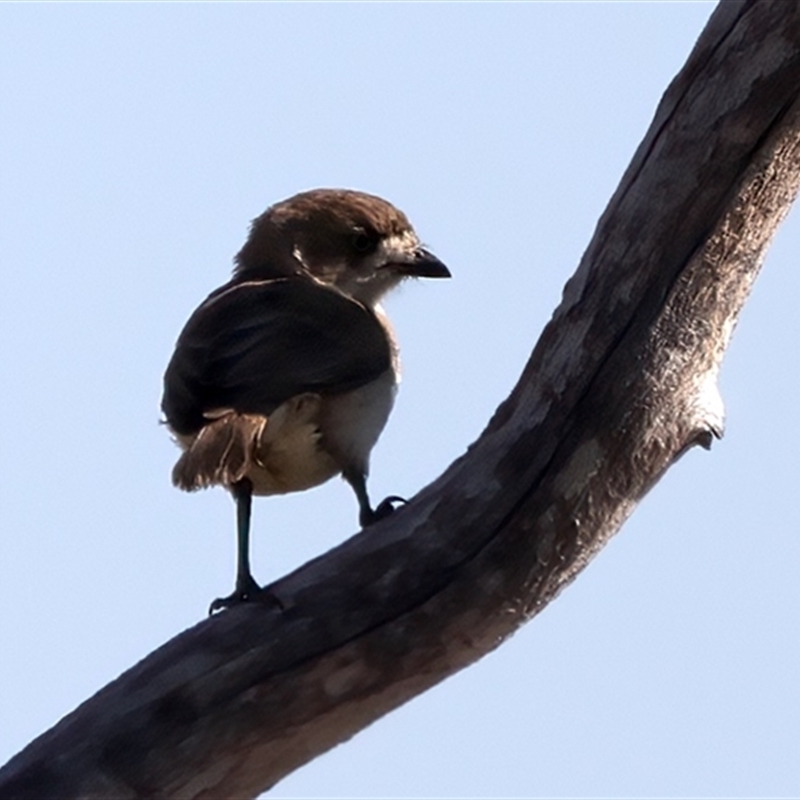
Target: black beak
[(424, 265)]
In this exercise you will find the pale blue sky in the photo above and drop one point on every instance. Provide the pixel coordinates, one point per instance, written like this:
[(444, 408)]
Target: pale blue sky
[(138, 140)]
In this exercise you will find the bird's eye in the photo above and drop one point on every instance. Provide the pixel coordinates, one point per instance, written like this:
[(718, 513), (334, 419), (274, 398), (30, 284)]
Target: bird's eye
[(363, 242)]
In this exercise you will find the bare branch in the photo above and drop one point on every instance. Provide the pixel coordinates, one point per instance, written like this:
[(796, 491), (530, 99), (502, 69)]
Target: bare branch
[(621, 383)]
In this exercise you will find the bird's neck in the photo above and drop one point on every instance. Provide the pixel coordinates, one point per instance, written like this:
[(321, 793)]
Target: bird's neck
[(370, 291)]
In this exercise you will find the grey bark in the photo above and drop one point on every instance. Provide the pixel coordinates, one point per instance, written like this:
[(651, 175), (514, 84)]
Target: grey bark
[(622, 381)]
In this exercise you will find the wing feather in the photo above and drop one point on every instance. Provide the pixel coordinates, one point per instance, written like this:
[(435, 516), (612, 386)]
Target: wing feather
[(251, 346)]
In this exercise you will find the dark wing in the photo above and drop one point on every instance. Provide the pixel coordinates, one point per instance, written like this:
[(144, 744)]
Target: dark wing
[(254, 345)]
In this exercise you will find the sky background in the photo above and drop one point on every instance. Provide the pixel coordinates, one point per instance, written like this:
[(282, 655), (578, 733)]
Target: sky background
[(136, 143)]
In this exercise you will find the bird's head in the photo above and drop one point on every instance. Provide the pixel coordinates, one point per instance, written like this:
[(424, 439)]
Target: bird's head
[(354, 241)]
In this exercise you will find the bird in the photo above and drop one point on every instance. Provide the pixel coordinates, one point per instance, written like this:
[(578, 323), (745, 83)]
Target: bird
[(285, 376)]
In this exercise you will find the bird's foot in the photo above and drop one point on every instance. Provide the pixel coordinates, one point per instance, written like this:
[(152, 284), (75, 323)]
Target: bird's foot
[(382, 510), (247, 591)]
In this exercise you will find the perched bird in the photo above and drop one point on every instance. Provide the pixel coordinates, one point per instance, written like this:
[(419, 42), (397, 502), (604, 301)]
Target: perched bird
[(285, 376)]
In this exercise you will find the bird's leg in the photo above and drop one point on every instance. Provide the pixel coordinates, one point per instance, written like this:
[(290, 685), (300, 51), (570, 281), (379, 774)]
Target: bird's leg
[(246, 587), (366, 513), (243, 494)]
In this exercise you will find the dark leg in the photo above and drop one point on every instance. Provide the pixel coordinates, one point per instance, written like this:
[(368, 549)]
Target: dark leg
[(246, 587), (366, 514), (243, 495)]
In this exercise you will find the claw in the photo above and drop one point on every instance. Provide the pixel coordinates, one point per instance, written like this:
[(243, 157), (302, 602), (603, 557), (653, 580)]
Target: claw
[(250, 592), (382, 510), (246, 589)]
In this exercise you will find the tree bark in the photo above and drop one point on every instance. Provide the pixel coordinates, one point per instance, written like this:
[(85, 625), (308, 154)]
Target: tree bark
[(622, 381)]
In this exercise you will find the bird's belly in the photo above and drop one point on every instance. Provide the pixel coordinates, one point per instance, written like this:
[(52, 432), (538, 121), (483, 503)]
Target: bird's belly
[(352, 422), (288, 456), (303, 443)]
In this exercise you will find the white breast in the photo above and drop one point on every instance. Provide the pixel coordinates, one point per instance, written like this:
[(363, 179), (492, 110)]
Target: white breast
[(351, 423)]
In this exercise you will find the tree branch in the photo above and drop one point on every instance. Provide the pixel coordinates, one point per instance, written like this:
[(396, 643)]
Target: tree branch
[(621, 383)]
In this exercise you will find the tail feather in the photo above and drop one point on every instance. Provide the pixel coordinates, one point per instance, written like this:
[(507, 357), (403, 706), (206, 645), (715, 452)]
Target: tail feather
[(222, 452)]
